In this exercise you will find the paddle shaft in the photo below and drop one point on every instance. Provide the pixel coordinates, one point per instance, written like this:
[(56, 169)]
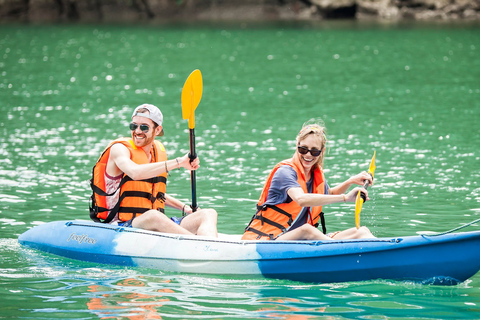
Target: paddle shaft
[(365, 186), (192, 155)]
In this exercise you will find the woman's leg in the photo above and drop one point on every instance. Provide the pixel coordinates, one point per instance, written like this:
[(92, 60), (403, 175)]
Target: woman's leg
[(305, 232), (354, 233)]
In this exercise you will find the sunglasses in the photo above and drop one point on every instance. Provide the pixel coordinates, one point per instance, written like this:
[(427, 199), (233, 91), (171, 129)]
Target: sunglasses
[(305, 150), (143, 127)]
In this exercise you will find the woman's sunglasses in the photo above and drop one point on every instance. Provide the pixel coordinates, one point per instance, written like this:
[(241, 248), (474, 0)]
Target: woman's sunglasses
[(305, 150), (143, 127)]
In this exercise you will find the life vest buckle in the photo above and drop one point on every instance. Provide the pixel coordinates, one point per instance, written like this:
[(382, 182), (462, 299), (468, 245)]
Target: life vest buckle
[(153, 199)]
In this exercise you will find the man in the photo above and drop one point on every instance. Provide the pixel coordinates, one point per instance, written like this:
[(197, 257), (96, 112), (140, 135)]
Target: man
[(129, 182)]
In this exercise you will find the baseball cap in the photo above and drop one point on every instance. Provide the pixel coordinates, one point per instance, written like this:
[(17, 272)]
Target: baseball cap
[(153, 114)]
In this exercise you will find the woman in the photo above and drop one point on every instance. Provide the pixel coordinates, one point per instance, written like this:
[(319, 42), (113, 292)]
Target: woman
[(290, 206)]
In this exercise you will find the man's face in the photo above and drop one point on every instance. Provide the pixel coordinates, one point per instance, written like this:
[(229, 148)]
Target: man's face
[(139, 137)]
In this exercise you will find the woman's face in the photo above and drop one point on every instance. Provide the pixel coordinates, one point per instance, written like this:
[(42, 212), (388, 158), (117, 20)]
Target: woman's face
[(310, 142)]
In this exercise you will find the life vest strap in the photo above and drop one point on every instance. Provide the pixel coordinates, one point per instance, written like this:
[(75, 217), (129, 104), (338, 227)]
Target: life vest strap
[(141, 194), (136, 211), (95, 210), (260, 233), (274, 207), (101, 192), (155, 180), (271, 222)]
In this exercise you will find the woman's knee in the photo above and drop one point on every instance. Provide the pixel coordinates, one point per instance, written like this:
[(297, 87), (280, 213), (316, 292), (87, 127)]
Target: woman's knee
[(309, 230), (364, 232)]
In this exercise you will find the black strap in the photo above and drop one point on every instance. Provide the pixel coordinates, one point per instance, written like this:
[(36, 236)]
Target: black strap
[(260, 233), (272, 223), (155, 180), (274, 207), (322, 221), (259, 216)]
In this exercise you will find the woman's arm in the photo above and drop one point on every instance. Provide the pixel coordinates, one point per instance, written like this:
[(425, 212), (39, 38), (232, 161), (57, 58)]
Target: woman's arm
[(314, 199)]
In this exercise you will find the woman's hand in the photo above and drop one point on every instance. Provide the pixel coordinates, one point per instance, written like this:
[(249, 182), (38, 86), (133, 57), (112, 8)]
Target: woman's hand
[(360, 178), (352, 195)]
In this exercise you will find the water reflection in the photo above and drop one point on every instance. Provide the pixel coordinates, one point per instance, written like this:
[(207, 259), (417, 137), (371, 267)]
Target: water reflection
[(129, 305)]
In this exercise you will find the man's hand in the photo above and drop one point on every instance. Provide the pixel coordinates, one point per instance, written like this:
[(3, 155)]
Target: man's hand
[(185, 163)]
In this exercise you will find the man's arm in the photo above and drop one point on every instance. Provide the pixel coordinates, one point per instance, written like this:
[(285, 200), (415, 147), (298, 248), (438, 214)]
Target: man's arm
[(120, 162)]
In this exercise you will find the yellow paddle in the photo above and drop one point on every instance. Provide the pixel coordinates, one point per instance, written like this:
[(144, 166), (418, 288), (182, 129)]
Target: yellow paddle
[(191, 96), (361, 198)]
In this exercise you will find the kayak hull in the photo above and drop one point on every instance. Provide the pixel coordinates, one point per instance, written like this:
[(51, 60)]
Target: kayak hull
[(444, 259)]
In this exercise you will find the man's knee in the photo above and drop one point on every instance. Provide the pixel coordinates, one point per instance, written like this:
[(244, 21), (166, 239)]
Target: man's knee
[(209, 214), (153, 216)]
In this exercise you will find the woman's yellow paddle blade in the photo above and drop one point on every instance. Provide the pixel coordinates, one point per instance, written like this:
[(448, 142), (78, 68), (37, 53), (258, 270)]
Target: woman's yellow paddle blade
[(191, 96), (361, 198), (358, 209), (372, 168)]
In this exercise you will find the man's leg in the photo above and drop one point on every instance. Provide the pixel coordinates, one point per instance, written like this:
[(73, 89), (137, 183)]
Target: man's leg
[(202, 222), (154, 220)]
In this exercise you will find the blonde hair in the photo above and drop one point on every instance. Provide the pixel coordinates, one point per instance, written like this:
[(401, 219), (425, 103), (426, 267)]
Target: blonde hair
[(317, 128)]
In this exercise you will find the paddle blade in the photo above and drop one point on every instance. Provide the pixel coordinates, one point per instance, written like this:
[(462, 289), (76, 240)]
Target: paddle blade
[(191, 95), (372, 168), (358, 209)]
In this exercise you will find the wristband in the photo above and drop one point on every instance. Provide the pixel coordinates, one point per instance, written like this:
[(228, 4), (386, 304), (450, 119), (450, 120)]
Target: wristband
[(166, 168)]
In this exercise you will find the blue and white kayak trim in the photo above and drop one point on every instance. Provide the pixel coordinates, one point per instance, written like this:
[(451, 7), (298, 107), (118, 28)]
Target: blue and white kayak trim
[(445, 259)]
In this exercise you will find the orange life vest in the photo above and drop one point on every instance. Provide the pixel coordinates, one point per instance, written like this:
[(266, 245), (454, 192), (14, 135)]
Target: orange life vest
[(271, 221), (136, 196)]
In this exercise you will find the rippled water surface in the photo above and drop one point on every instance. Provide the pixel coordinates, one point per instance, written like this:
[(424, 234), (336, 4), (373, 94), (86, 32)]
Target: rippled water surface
[(409, 92)]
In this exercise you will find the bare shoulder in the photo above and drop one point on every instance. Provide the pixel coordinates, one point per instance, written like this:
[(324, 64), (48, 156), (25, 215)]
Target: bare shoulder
[(119, 150), (295, 192), (119, 156)]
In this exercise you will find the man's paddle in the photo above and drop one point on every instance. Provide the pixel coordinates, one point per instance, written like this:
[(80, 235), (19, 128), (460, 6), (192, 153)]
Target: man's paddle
[(361, 198), (191, 96)]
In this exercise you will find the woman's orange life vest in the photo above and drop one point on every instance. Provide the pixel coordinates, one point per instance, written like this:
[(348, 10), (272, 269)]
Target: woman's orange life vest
[(271, 221), (136, 196)]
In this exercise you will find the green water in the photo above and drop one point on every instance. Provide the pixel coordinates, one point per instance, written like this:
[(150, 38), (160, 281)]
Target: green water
[(409, 92)]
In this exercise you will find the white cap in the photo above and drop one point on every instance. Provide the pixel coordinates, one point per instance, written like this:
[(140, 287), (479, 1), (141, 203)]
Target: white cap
[(153, 114)]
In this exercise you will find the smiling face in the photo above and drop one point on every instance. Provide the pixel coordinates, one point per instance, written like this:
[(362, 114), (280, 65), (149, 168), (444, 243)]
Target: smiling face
[(140, 138), (311, 142), (312, 137)]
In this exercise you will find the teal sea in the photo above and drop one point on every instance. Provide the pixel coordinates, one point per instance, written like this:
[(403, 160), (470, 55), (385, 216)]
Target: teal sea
[(410, 92)]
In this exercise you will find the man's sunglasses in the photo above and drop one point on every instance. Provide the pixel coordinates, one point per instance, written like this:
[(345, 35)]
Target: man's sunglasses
[(305, 150), (143, 127)]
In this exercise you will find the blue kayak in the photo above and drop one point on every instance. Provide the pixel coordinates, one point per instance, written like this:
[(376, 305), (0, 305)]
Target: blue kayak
[(442, 259)]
